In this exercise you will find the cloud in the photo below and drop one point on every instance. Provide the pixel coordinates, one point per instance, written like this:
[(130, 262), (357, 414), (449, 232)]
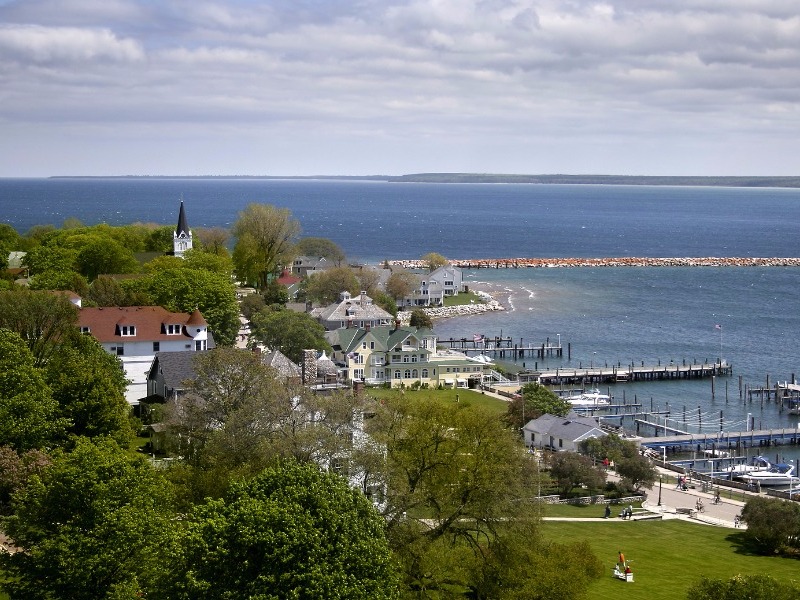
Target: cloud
[(39, 44), (604, 76)]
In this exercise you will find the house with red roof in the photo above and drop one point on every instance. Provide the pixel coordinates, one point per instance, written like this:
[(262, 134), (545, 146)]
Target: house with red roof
[(136, 333)]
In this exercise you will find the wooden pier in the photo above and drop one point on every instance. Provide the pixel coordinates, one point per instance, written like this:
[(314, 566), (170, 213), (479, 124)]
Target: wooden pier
[(625, 373), (723, 440), (503, 347)]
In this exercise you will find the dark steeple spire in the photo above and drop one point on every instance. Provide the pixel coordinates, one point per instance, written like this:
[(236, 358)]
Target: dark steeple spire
[(182, 230)]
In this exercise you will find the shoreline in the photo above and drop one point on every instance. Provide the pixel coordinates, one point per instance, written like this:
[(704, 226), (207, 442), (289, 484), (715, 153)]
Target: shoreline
[(624, 261)]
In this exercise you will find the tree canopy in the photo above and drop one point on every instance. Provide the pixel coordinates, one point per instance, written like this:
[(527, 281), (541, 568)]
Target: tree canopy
[(290, 532), (532, 402), (265, 236), (288, 331), (326, 285), (401, 283), (434, 260), (92, 525), (320, 248), (773, 525), (743, 587)]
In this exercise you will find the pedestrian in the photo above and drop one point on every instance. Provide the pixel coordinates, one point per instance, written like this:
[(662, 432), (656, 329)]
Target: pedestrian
[(679, 485), (736, 521), (608, 511)]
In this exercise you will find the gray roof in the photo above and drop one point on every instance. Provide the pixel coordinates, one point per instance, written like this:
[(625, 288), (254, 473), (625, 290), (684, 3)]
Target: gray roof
[(176, 367), (348, 339), (357, 308), (572, 427), (278, 361)]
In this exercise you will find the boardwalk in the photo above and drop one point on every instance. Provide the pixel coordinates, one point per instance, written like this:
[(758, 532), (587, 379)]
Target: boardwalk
[(632, 372)]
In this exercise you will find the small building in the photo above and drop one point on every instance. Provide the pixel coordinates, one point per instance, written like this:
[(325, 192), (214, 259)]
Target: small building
[(561, 433), (307, 265), (435, 286)]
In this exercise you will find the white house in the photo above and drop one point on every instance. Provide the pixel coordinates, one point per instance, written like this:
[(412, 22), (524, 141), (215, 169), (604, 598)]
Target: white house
[(435, 286), (136, 333), (350, 311), (561, 433)]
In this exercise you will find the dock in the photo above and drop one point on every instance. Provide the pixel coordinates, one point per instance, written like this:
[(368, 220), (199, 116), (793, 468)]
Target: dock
[(723, 440), (625, 373), (503, 347)]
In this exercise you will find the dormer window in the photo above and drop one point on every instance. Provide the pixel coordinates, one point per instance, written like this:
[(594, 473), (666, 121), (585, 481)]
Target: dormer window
[(173, 329), (86, 329), (127, 330)]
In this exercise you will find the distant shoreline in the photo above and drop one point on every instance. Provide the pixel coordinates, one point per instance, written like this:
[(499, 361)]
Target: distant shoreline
[(625, 261), (488, 178)]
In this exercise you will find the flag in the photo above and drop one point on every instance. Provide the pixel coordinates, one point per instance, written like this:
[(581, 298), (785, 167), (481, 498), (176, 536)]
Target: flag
[(477, 338), (718, 326)]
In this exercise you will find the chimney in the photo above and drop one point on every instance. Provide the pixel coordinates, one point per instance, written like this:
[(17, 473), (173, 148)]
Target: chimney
[(396, 323), (363, 298), (309, 366), (349, 323), (367, 326)]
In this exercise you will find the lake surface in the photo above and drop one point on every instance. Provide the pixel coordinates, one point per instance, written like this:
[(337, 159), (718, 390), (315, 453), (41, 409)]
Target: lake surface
[(608, 315)]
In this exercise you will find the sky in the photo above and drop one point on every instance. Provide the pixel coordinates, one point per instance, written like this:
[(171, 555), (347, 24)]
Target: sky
[(364, 87)]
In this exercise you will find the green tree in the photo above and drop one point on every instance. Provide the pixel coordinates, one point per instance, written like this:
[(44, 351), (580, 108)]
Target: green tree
[(105, 256), (288, 331), (773, 525), (320, 248), (636, 471), (419, 318), (184, 290), (292, 532), (52, 259), (92, 525), (106, 291), (89, 385), (15, 471), (264, 240), (28, 413), (533, 401), (327, 285), (401, 283), (275, 293), (386, 302), (209, 261), (41, 319), (570, 470), (434, 260), (743, 587), (159, 239), (213, 240)]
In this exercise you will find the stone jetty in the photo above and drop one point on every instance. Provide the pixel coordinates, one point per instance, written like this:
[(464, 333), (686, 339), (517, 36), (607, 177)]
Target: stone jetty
[(487, 304), (624, 261)]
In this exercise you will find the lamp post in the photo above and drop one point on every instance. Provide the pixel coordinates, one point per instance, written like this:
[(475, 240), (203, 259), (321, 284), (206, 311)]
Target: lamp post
[(659, 490), (664, 453)]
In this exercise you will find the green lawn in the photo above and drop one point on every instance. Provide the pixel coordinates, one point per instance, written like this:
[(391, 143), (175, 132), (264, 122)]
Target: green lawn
[(583, 511), (462, 298), (470, 397), (667, 556)]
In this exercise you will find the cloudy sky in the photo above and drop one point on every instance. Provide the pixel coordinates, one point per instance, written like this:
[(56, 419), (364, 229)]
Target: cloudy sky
[(343, 87)]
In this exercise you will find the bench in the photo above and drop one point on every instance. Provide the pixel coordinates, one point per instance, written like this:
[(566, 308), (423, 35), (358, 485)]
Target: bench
[(648, 517), (686, 511)]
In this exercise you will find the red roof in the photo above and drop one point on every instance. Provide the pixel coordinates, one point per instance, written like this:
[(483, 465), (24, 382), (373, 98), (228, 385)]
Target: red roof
[(150, 322), (287, 279)]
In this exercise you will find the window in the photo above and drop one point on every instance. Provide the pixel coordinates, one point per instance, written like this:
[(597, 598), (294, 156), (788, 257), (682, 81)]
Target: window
[(199, 345), (363, 345), (397, 374), (173, 329), (127, 330), (85, 329), (358, 373), (120, 350), (405, 358), (424, 373), (560, 443), (156, 346), (414, 374), (407, 374), (372, 345), (413, 358)]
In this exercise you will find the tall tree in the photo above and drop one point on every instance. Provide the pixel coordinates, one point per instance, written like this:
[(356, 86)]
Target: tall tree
[(326, 286), (419, 318), (401, 283), (105, 256), (292, 532), (89, 385), (41, 319), (92, 525), (264, 241), (433, 261), (28, 413), (320, 248), (532, 402), (571, 469), (743, 587), (289, 331), (772, 524), (213, 240)]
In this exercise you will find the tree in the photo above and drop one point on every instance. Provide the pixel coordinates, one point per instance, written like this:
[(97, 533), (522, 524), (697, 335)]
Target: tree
[(326, 285), (533, 401), (743, 587), (264, 237), (89, 385), (92, 525), (275, 293), (368, 279), (636, 471), (184, 290), (40, 318), (292, 528), (464, 472), (401, 283), (570, 470), (419, 318), (251, 304), (213, 239), (106, 291), (288, 331), (209, 261), (15, 471), (772, 524), (320, 248), (28, 413), (433, 261), (159, 239), (386, 302), (105, 256)]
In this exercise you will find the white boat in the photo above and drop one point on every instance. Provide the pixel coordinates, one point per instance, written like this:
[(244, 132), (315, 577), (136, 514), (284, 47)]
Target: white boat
[(589, 399), (776, 475), (758, 463)]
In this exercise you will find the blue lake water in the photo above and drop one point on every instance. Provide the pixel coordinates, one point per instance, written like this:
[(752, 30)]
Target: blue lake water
[(608, 315)]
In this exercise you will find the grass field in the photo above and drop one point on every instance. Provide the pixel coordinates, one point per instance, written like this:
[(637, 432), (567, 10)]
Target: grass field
[(583, 511), (667, 556), (471, 397)]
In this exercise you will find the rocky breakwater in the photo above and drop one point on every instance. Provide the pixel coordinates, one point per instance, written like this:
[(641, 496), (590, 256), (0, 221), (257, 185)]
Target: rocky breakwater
[(487, 304), (624, 261)]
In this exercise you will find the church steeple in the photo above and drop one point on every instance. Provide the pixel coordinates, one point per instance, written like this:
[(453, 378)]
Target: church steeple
[(182, 238)]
